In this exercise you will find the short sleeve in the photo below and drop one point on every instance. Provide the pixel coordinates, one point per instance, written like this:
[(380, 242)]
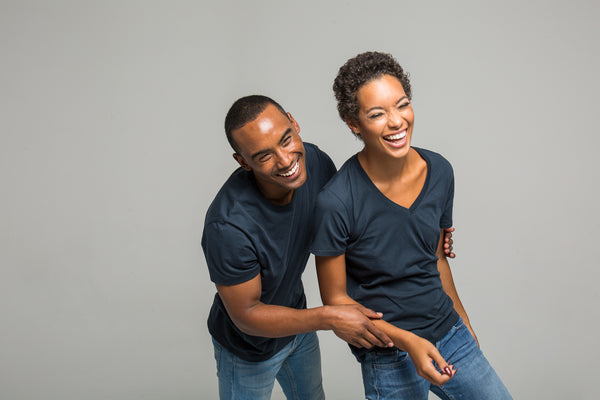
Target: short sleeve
[(229, 253), (326, 168), (446, 219), (330, 226)]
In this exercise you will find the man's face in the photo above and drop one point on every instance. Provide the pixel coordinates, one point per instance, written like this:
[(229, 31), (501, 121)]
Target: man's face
[(271, 147)]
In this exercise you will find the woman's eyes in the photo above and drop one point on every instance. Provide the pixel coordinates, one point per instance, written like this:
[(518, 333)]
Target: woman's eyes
[(379, 114)]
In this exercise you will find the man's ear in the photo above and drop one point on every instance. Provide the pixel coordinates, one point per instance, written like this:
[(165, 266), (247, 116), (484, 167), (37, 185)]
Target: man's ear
[(294, 123), (241, 161)]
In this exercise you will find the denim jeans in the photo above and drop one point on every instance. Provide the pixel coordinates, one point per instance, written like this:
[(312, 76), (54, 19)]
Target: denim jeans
[(297, 368), (392, 375)]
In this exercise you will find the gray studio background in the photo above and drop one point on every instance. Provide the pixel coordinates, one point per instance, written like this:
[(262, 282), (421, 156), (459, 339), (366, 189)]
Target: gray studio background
[(112, 147)]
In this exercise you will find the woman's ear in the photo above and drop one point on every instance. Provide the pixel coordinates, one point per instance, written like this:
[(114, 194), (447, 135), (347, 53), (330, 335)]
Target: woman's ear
[(353, 127)]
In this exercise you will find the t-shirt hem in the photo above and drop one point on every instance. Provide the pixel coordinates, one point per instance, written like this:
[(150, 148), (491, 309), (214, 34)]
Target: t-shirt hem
[(282, 342), (327, 253), (446, 326), (239, 279)]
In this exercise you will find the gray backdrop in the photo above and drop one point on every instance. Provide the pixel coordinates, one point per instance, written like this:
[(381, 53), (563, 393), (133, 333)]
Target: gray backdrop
[(112, 148)]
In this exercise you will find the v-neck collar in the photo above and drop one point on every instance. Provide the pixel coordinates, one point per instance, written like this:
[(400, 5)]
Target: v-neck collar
[(370, 183)]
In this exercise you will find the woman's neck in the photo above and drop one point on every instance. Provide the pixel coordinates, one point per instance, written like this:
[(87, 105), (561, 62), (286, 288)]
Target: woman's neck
[(381, 168)]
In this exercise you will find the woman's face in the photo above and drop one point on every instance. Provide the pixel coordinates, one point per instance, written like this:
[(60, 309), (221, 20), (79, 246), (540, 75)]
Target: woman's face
[(385, 117)]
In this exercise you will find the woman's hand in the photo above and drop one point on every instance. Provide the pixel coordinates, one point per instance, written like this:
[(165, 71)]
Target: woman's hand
[(423, 354)]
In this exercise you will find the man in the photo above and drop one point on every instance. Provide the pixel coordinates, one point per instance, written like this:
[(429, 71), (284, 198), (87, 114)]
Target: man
[(256, 242)]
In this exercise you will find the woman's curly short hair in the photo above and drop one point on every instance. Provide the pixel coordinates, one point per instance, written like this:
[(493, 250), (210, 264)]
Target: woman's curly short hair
[(360, 70)]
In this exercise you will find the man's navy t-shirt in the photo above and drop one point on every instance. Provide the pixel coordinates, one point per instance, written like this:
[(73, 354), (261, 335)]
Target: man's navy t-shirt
[(246, 235), (391, 261)]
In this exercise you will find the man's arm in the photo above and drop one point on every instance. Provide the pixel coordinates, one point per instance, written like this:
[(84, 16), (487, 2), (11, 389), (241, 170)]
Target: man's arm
[(253, 317), (448, 282), (332, 284)]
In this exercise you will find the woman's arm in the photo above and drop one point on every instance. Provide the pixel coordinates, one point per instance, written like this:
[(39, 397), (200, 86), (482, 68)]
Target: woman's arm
[(331, 272), (448, 284)]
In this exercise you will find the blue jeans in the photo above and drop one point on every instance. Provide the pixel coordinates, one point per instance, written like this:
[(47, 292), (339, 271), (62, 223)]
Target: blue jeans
[(392, 375), (297, 368)]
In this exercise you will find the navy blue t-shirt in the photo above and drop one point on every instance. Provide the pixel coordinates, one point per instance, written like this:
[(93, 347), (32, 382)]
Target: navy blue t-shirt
[(246, 235), (391, 261)]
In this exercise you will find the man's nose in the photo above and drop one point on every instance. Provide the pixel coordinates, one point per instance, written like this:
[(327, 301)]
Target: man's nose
[(284, 158)]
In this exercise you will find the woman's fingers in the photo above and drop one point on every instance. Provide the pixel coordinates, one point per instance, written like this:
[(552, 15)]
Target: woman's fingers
[(434, 376)]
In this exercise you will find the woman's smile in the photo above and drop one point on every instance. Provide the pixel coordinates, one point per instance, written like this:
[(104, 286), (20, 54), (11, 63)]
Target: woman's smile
[(385, 117)]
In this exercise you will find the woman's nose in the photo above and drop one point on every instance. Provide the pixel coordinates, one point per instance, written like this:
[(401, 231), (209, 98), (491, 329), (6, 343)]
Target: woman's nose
[(395, 119)]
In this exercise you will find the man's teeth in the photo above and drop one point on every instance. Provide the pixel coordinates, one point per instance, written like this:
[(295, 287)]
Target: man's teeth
[(291, 171), (397, 136)]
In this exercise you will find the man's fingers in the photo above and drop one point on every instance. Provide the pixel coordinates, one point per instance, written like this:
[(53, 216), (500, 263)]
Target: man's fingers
[(368, 341), (448, 248), (382, 339), (369, 313), (373, 336), (370, 337)]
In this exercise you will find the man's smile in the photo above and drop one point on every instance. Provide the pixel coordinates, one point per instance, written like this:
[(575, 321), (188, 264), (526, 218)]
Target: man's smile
[(292, 171)]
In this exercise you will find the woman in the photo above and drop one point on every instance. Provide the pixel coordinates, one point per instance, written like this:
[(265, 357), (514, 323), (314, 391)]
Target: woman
[(379, 242)]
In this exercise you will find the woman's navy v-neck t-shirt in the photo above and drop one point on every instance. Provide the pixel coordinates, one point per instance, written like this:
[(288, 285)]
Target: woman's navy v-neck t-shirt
[(391, 261)]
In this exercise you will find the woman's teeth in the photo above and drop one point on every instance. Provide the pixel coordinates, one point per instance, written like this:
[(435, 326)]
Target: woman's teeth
[(397, 136)]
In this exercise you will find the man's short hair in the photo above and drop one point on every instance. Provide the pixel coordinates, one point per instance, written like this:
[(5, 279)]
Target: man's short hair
[(244, 110)]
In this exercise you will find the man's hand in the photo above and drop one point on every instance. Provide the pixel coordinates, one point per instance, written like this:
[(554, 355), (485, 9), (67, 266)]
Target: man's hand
[(423, 354), (448, 242), (352, 323)]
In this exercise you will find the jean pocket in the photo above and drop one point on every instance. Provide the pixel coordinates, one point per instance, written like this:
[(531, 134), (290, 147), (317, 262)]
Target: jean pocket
[(458, 325), (218, 350), (388, 359)]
